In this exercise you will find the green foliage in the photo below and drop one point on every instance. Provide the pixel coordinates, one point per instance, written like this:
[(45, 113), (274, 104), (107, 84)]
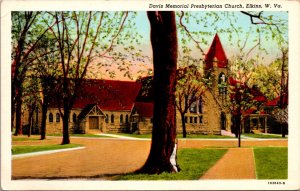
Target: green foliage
[(193, 163), (271, 162), (29, 149), (264, 136)]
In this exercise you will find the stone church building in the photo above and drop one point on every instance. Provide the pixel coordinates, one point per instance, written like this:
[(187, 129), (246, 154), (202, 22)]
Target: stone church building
[(119, 106)]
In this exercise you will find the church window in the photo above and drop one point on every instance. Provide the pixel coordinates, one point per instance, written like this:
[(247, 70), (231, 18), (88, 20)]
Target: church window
[(121, 118), (112, 118), (57, 117), (50, 117), (191, 119), (185, 119), (74, 117), (200, 119), (106, 118), (195, 119), (127, 119), (222, 84), (200, 104)]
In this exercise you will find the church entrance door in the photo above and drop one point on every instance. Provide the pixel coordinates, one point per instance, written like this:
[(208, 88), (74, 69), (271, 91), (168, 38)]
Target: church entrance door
[(94, 122)]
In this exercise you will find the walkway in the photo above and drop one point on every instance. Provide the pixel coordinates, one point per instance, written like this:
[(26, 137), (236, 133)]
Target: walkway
[(237, 163), (102, 157)]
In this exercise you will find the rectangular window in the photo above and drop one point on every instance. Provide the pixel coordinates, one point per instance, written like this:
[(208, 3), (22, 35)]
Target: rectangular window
[(191, 119), (195, 119), (200, 119)]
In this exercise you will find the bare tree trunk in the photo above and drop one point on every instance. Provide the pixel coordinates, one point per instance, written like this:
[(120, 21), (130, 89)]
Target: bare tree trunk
[(164, 46), (44, 119), (66, 137), (18, 115), (30, 116), (183, 125)]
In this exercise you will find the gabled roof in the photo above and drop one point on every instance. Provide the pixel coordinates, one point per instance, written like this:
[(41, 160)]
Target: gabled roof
[(144, 109), (87, 110), (110, 95), (217, 54)]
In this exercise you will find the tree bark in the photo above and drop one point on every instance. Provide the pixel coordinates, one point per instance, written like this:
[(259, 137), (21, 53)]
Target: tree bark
[(44, 118), (164, 46), (66, 137), (183, 125), (18, 115)]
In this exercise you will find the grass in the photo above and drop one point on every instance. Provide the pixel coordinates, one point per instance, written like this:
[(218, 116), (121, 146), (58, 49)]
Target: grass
[(29, 149), (263, 136), (81, 135), (17, 138), (193, 163), (271, 162), (199, 136)]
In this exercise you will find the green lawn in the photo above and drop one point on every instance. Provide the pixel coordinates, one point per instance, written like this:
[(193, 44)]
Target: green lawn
[(29, 149), (271, 162), (81, 135), (18, 138), (199, 136), (193, 163), (263, 136)]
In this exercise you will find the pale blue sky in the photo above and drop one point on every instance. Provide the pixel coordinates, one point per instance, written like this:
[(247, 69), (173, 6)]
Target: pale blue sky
[(242, 21)]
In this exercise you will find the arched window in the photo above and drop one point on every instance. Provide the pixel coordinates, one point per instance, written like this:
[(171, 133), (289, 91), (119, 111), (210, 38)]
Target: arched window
[(191, 119), (193, 107), (200, 105), (74, 117), (112, 118), (106, 119), (127, 119), (50, 117), (57, 117), (222, 84), (185, 119), (121, 118)]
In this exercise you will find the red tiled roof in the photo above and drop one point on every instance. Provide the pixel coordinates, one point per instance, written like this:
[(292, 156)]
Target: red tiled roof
[(107, 94), (257, 95), (144, 109), (216, 51), (275, 102)]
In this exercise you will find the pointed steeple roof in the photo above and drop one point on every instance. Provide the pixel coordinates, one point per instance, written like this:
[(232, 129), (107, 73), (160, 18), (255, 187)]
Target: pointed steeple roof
[(216, 54)]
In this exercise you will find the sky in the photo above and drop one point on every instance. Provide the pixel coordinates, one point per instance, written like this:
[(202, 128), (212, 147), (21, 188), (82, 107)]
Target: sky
[(210, 26)]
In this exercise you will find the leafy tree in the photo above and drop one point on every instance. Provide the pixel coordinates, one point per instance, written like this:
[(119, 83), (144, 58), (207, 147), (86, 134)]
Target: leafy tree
[(45, 68), (82, 36), (189, 90), (272, 80), (26, 34)]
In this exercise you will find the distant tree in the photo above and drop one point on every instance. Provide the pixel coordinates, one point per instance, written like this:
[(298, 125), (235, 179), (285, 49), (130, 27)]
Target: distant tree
[(30, 99), (26, 34), (189, 90), (272, 80), (81, 37)]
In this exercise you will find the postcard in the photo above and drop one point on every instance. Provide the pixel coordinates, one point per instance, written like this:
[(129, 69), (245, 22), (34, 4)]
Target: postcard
[(150, 95)]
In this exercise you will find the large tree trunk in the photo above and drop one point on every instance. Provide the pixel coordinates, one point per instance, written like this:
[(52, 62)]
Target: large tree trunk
[(164, 46), (66, 137), (44, 118), (183, 125)]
